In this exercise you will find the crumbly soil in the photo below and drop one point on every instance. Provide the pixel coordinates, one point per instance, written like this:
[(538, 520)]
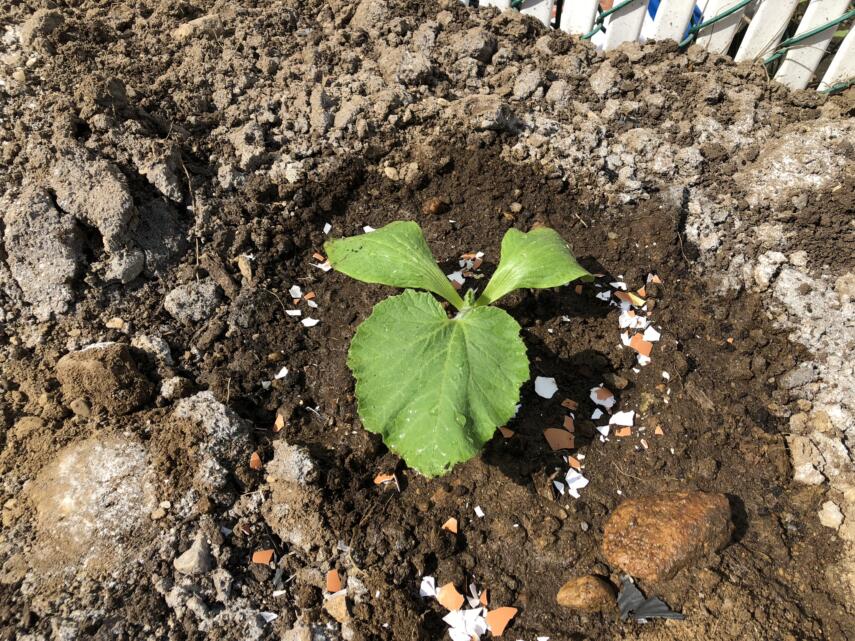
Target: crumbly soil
[(228, 151)]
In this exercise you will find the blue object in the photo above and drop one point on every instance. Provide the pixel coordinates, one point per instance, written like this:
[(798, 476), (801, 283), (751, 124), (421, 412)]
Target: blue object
[(697, 14)]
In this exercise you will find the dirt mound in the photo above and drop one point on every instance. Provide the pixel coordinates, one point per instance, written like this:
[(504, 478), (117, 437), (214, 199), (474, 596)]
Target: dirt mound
[(169, 170), (89, 503)]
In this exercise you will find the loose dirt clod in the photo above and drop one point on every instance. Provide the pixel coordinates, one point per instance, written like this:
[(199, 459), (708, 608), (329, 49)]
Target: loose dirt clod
[(106, 374), (91, 505), (43, 246)]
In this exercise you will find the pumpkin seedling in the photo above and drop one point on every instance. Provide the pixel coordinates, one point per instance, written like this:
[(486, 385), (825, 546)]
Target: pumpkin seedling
[(436, 387)]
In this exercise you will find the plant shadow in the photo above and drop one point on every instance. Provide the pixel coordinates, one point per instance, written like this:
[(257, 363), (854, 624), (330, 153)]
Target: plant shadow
[(526, 457)]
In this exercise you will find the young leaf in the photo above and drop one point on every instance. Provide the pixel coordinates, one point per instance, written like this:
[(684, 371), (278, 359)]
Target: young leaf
[(537, 259), (396, 255), (435, 388)]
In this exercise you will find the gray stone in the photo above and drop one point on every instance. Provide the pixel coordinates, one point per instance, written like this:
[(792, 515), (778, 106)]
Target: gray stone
[(349, 110), (370, 15), (845, 287), (558, 94), (175, 387), (192, 302), (767, 268), (604, 78), (161, 166), (399, 65), (475, 43), (292, 464), (124, 265), (486, 111), (96, 192), (805, 458), (424, 38), (294, 509), (196, 559), (155, 346), (44, 248), (223, 581), (526, 83), (830, 515), (801, 374), (220, 437)]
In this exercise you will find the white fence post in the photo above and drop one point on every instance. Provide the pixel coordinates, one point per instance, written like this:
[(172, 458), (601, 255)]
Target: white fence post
[(625, 25), (577, 16), (842, 67), (803, 58), (765, 29), (672, 20), (761, 39), (501, 5), (718, 36), (540, 9)]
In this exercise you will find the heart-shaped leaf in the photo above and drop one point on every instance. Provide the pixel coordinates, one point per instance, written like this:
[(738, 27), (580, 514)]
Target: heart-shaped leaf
[(537, 259), (396, 255), (436, 388)]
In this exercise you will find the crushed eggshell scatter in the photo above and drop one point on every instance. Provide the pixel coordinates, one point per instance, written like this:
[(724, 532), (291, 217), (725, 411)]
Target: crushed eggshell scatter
[(559, 439), (498, 619), (262, 557), (383, 479), (449, 597), (333, 581), (545, 387), (472, 623), (623, 418), (602, 397)]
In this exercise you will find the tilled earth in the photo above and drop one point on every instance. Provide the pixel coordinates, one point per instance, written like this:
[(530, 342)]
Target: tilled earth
[(167, 172)]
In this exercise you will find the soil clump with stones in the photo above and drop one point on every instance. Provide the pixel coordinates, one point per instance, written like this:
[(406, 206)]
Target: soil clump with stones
[(167, 172)]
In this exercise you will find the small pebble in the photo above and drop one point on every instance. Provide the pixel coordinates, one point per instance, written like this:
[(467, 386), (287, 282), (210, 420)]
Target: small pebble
[(80, 406), (434, 206)]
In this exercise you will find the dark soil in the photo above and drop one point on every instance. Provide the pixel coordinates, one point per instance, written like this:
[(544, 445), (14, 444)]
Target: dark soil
[(720, 412)]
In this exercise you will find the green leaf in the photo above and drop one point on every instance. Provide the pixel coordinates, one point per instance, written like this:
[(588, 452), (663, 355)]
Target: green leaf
[(537, 259), (396, 255), (436, 388)]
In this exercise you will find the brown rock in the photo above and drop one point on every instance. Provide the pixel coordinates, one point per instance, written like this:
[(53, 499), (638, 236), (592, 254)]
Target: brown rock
[(652, 538), (336, 607), (588, 593), (434, 206), (106, 375)]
